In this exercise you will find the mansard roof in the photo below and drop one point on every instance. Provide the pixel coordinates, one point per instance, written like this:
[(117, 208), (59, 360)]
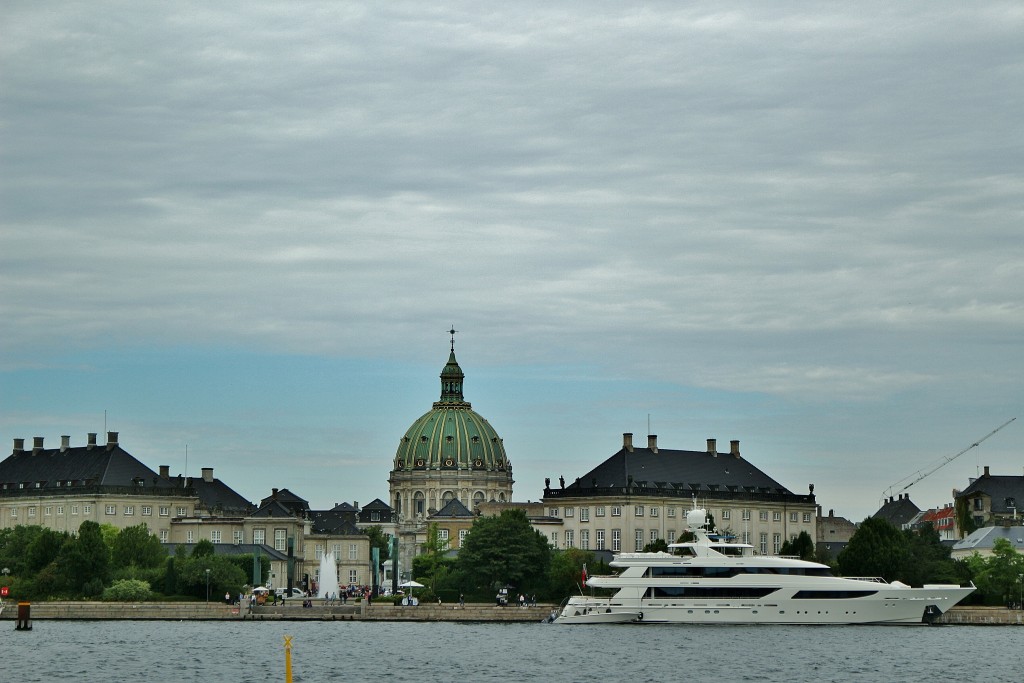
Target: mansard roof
[(59, 468), (274, 509), (668, 472), (1005, 491), (335, 522)]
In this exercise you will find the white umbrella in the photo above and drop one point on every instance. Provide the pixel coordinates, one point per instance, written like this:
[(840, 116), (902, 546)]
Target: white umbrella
[(260, 589), (410, 584)]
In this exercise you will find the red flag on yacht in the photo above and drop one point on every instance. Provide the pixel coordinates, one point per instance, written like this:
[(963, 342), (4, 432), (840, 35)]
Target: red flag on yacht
[(584, 574)]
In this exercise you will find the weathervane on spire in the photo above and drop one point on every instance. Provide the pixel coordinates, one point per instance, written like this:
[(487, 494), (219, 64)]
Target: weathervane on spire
[(452, 332)]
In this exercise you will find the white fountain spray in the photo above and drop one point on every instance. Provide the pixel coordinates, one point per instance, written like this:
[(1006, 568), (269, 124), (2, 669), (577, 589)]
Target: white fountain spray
[(328, 577)]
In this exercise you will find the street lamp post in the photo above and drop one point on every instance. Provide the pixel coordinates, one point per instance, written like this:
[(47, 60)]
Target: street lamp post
[(1020, 605), (207, 585)]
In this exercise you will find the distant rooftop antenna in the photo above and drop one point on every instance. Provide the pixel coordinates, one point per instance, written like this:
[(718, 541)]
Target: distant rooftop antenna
[(453, 332)]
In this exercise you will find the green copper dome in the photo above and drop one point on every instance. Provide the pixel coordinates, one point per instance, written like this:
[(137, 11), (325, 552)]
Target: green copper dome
[(451, 436)]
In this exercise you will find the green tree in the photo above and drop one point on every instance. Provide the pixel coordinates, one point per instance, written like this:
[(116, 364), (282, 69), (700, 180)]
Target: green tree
[(876, 549), (659, 545), (929, 560), (964, 518), (565, 576), (505, 550), (998, 576), (802, 546), (84, 560), (204, 548), (134, 546), (43, 549)]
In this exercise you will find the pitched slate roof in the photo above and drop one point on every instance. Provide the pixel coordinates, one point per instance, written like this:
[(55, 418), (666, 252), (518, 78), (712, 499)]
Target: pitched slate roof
[(985, 538), (232, 549), (1006, 492), (676, 473), (453, 508), (898, 511), (272, 509)]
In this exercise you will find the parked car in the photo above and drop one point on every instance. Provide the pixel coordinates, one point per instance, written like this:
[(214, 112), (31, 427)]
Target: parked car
[(283, 593)]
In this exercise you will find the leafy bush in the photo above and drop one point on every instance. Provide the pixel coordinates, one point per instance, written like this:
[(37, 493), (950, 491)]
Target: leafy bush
[(127, 590)]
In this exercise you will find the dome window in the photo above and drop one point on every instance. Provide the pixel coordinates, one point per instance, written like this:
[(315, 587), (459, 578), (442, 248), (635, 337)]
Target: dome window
[(449, 438), (476, 439), (423, 439), (449, 462)]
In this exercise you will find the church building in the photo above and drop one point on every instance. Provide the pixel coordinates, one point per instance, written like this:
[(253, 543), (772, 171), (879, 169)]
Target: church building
[(449, 453)]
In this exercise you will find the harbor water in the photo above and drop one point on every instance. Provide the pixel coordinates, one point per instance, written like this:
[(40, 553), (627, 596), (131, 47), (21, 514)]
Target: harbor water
[(253, 652)]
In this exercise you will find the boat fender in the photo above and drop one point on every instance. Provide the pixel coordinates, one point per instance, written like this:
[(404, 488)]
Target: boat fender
[(640, 616)]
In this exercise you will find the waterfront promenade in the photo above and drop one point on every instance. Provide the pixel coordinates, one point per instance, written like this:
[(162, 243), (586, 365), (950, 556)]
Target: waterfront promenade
[(178, 611), (472, 612)]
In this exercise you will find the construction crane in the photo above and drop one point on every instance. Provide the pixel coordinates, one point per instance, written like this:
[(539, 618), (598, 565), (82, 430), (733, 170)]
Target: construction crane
[(921, 474)]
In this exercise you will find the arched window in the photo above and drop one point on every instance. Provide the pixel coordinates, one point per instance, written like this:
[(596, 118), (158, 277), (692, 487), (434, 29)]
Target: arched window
[(418, 503)]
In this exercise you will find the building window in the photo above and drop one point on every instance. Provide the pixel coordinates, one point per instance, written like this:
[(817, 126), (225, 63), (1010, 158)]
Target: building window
[(353, 551), (462, 536), (726, 514), (32, 511), (554, 538), (336, 549), (763, 515), (776, 543), (442, 537), (671, 535), (215, 536), (374, 516), (47, 511), (764, 543), (793, 516), (616, 511), (190, 536), (111, 509), (638, 510), (164, 535), (280, 540), (978, 504), (584, 514), (353, 577), (584, 539), (14, 513), (599, 511), (60, 509), (87, 509), (259, 536), (74, 509), (165, 510), (616, 540), (746, 537), (129, 510), (654, 512), (236, 536), (599, 540), (776, 516), (182, 511), (671, 512), (318, 551), (553, 512), (147, 510), (638, 540), (569, 540), (746, 515), (569, 512), (654, 535)]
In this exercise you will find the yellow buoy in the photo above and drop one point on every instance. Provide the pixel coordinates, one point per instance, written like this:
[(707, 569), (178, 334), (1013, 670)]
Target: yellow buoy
[(288, 659)]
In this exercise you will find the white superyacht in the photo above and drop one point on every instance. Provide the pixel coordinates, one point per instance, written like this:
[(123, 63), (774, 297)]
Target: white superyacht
[(714, 581)]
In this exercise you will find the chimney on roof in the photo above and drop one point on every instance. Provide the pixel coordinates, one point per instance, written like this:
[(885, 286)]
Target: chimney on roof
[(713, 447), (734, 448), (355, 504), (627, 441), (65, 443), (273, 493), (37, 445), (207, 474), (19, 445), (652, 442), (111, 440), (165, 471), (985, 475), (92, 441)]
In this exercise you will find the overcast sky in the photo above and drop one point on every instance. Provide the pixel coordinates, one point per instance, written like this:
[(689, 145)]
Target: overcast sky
[(242, 231)]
